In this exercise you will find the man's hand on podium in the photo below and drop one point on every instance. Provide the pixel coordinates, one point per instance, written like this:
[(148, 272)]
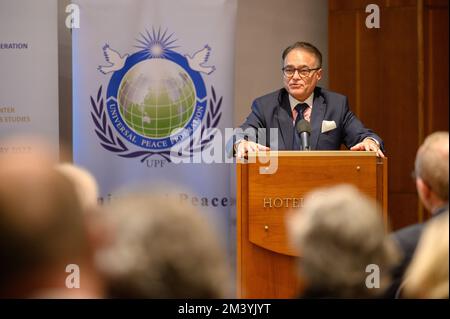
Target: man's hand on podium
[(368, 144), (244, 147)]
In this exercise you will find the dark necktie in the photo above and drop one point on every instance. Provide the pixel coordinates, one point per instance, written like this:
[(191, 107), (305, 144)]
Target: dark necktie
[(297, 114)]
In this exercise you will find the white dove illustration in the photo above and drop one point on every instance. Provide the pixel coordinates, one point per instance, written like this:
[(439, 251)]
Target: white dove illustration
[(198, 59), (116, 62)]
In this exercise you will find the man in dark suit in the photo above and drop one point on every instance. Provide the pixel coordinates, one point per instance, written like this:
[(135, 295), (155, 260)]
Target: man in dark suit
[(332, 122), (431, 175)]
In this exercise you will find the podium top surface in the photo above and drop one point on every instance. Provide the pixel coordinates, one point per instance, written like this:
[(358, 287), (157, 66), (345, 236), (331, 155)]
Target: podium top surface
[(313, 153)]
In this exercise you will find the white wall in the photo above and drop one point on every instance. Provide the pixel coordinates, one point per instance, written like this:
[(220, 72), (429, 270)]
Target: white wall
[(29, 72), (264, 29)]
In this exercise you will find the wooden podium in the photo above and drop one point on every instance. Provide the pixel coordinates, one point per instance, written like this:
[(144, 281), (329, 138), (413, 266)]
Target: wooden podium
[(266, 265)]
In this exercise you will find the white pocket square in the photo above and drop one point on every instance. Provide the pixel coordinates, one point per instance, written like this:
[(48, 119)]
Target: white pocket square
[(328, 126)]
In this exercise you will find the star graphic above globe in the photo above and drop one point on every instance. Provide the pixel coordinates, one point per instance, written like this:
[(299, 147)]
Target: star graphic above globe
[(156, 44), (157, 50)]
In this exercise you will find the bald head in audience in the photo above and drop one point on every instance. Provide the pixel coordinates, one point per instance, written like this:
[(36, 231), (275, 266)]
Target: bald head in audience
[(431, 170)]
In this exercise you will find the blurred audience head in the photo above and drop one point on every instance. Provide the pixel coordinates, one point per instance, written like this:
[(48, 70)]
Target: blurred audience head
[(84, 183), (431, 170), (338, 233), (427, 275), (160, 248), (41, 226)]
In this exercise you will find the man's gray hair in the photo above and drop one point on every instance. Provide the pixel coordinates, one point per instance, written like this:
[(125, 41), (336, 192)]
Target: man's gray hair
[(338, 233), (161, 248), (432, 163), (308, 47)]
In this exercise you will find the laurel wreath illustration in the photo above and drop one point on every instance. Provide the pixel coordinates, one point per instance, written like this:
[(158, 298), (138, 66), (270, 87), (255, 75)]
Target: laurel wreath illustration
[(114, 143)]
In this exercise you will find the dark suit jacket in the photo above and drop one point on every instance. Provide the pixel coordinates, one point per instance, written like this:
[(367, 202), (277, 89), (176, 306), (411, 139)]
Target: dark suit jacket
[(407, 239), (274, 111)]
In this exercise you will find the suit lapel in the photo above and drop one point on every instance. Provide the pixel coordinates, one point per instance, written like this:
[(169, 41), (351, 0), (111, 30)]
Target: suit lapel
[(284, 117), (317, 116)]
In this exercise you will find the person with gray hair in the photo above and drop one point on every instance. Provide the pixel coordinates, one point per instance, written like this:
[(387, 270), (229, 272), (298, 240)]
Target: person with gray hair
[(160, 248), (431, 178), (338, 234)]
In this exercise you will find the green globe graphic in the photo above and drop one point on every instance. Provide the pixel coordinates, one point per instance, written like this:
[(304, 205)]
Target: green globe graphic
[(156, 97)]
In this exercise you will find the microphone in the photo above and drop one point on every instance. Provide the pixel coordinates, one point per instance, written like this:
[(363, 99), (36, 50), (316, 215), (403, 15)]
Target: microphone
[(303, 128)]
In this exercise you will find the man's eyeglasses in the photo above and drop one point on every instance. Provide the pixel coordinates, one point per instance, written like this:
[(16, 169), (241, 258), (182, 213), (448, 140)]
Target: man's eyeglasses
[(289, 71)]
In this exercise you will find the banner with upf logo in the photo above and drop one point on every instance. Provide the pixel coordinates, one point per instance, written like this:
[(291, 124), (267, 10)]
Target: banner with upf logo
[(29, 76), (153, 94)]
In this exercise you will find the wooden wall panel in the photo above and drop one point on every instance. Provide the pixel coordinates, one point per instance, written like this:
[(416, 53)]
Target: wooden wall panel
[(396, 79), (342, 53), (399, 94), (348, 5), (436, 68), (404, 207), (370, 80)]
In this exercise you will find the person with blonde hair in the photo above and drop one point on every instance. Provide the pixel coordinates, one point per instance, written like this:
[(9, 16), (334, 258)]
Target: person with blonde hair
[(427, 275), (338, 234)]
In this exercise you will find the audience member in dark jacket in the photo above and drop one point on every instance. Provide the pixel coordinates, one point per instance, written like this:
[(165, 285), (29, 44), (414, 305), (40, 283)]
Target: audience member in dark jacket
[(431, 174)]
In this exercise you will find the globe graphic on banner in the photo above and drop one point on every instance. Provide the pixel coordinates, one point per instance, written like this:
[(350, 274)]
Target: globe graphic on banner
[(156, 97)]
